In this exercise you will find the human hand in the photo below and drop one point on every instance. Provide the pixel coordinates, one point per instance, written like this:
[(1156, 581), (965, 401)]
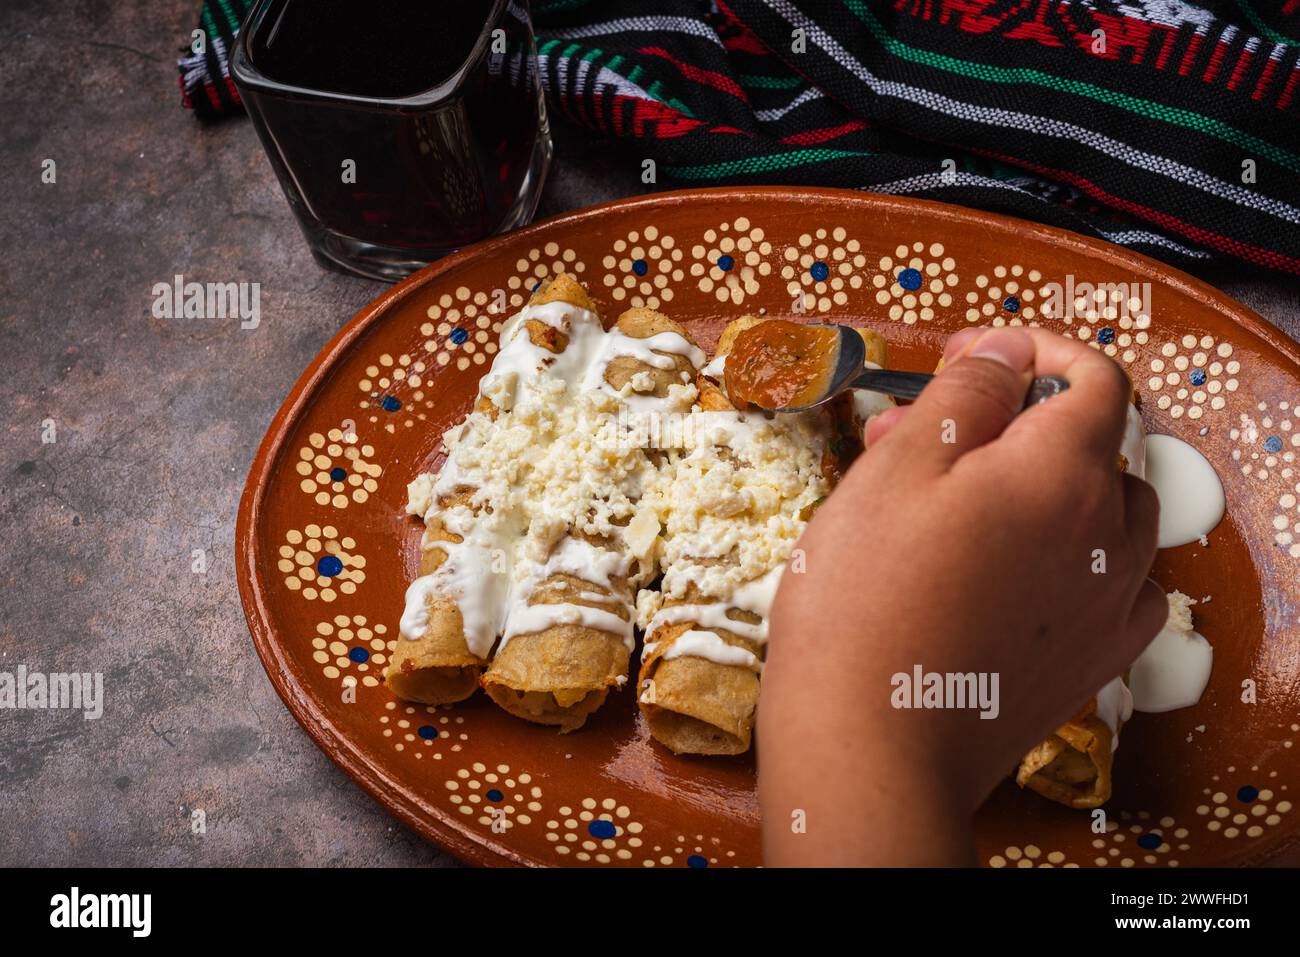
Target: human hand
[(968, 538)]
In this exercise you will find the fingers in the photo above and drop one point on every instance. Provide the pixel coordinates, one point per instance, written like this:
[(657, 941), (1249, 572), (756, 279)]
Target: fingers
[(967, 405), (959, 340), (878, 425), (1149, 614), (1091, 412), (1141, 518)]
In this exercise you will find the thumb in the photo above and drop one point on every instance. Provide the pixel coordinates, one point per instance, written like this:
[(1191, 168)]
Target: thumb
[(969, 403)]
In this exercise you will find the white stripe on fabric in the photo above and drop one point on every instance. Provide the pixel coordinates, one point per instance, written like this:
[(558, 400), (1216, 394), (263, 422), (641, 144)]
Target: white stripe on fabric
[(929, 181), (685, 25), (1039, 125), (807, 96)]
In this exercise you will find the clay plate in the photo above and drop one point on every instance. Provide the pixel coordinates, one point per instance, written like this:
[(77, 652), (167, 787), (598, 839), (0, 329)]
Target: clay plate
[(325, 552)]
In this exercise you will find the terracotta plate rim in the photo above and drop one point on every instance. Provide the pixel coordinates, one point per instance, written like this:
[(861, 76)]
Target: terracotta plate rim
[(421, 816)]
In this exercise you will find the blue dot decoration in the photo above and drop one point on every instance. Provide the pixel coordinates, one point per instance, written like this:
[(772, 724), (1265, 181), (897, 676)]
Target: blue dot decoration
[(536, 286), (494, 795), (1247, 793), (602, 830), (338, 474), (640, 267), (359, 655), (725, 262), (1150, 841), (819, 271), (696, 861), (1011, 304), (329, 565), (389, 404), (1273, 443), (1106, 336), (910, 279), (428, 732), (459, 335), (1197, 377)]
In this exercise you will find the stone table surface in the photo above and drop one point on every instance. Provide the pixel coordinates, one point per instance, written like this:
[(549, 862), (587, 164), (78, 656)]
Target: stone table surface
[(155, 424)]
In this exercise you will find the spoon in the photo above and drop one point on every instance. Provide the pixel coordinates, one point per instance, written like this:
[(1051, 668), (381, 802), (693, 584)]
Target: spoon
[(849, 373)]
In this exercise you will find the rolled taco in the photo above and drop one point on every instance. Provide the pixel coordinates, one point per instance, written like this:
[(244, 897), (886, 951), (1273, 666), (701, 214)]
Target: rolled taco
[(747, 490), (1073, 766), (454, 609), (700, 670), (568, 631)]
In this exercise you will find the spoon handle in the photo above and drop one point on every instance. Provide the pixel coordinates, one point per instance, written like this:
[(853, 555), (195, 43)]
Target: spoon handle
[(908, 385)]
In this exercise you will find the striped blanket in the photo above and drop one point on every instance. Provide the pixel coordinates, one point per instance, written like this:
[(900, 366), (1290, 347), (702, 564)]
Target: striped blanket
[(1164, 126)]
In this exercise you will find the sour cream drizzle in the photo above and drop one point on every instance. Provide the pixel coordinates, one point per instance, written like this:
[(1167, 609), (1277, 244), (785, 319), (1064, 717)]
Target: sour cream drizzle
[(506, 553)]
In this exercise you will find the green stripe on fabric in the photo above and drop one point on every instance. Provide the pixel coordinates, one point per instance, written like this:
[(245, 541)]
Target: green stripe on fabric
[(679, 106), (232, 18), (1147, 108), (547, 46), (761, 164), (592, 55), (769, 82), (1258, 23)]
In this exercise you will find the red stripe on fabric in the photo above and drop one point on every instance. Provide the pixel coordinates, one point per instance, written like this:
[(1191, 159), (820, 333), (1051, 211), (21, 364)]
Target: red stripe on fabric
[(1166, 48), (1290, 7), (1262, 86), (1289, 91), (211, 91), (741, 39), (719, 81), (1205, 237), (727, 129), (1216, 61), (234, 91), (1239, 70), (670, 123), (813, 137), (1185, 67)]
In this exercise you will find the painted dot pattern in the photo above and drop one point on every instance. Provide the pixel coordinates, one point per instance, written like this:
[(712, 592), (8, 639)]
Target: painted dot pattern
[(1192, 376), (352, 648), (821, 269), (538, 265), (1111, 318), (642, 268), (319, 563), (335, 471), (1243, 811), (1030, 855), (916, 281), (731, 260), (1266, 441), (495, 797), (1003, 297), (422, 731)]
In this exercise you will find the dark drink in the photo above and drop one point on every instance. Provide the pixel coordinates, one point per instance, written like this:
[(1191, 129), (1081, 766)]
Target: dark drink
[(400, 129)]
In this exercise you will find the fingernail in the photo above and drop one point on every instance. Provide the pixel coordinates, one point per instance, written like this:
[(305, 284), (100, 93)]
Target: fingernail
[(1012, 348), (958, 341)]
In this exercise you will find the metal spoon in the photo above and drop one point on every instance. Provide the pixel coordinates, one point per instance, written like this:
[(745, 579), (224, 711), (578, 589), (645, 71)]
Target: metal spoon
[(850, 374)]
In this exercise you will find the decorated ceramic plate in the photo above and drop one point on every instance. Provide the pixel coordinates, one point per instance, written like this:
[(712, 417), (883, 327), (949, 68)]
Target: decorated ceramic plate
[(326, 550)]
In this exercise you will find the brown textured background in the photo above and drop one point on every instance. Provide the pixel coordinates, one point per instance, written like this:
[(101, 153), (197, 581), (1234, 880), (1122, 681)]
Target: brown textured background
[(157, 423)]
